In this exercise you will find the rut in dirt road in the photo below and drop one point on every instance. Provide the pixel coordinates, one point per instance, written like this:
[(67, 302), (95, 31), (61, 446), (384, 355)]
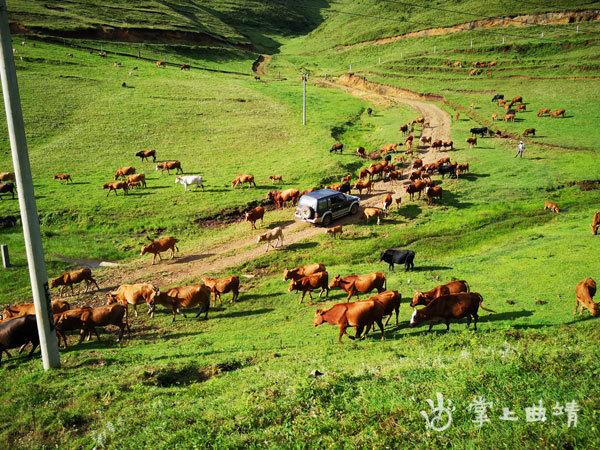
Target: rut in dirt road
[(234, 253)]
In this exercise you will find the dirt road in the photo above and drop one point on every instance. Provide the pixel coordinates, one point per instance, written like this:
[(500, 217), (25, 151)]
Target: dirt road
[(219, 258)]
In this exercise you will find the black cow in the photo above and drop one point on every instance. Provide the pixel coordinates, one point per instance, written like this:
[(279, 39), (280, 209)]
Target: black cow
[(8, 187), (18, 332), (8, 221), (480, 131), (369, 111), (447, 169), (498, 97), (397, 256), (345, 188)]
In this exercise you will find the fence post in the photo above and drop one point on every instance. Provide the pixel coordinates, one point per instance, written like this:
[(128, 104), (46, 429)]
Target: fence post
[(5, 258)]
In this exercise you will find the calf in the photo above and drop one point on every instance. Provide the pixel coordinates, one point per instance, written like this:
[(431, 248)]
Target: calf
[(302, 271), (335, 231), (132, 294), (188, 180), (184, 297), (147, 154), (276, 234), (124, 171), (585, 291), (220, 286), (337, 147), (364, 185), (240, 180), (558, 113), (369, 213), (448, 307), (255, 214), (116, 186), (276, 178), (309, 283), (387, 202), (168, 166), (137, 179), (359, 284), (68, 279), (472, 141), (397, 256), (18, 333), (160, 245), (551, 206), (358, 314), (7, 188), (63, 177), (452, 287)]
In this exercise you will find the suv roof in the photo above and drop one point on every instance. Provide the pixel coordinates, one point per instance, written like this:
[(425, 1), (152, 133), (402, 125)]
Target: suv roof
[(322, 193)]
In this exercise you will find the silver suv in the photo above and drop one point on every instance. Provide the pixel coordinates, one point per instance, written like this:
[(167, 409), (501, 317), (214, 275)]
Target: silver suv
[(324, 206)]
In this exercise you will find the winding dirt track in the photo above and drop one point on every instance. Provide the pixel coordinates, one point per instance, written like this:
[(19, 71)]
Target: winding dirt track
[(219, 258)]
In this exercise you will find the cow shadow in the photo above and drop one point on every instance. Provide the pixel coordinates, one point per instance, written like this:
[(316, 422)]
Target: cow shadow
[(301, 245), (453, 200), (252, 312), (281, 223), (78, 183), (190, 258), (215, 190), (159, 187), (470, 176), (507, 315), (138, 194), (429, 268), (410, 211)]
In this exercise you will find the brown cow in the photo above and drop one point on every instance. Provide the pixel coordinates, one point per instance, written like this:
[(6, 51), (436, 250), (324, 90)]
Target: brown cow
[(387, 202), (369, 213), (160, 63), (358, 314), (449, 145), (543, 112), (10, 312), (448, 307), (517, 99), (276, 178), (115, 186), (122, 172), (220, 286), (302, 271), (362, 152), (7, 176), (509, 117), (274, 234), (183, 297), (132, 294), (68, 279), (414, 188), (168, 166), (138, 179), (425, 140), (551, 206), (404, 128), (595, 223), (310, 283), (417, 163), (521, 107), (359, 284), (363, 185), (558, 113), (70, 321), (280, 198), (585, 291), (103, 316), (63, 177), (390, 301), (160, 245), (529, 131), (241, 179), (337, 147), (147, 154), (452, 287), (472, 141), (185, 67), (255, 214), (335, 231), (434, 192), (437, 144)]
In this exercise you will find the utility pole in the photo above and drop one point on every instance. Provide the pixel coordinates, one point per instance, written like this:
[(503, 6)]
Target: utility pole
[(29, 216), (304, 78)]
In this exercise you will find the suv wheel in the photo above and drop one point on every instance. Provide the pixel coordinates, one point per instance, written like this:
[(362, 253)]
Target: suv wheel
[(354, 209), (326, 220)]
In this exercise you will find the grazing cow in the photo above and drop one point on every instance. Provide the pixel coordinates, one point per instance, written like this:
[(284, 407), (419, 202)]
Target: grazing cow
[(472, 141), (184, 297), (276, 234), (302, 271), (528, 132), (369, 213), (390, 300), (310, 283), (558, 113), (220, 286), (335, 231), (132, 294), (433, 192), (115, 186), (595, 223), (241, 179), (9, 312), (68, 279), (280, 198), (448, 144), (276, 178), (420, 120), (361, 315), (543, 112), (521, 107), (415, 188), (255, 214), (359, 284), (387, 202), (437, 144), (389, 148), (137, 179), (122, 172), (501, 102), (160, 63), (364, 185), (585, 291), (362, 152), (63, 177), (509, 117), (498, 97), (168, 166), (404, 129), (425, 140), (7, 176), (18, 333), (7, 188), (188, 180), (398, 256), (147, 154), (448, 307), (185, 67), (337, 147), (160, 245), (452, 287), (551, 206), (482, 131)]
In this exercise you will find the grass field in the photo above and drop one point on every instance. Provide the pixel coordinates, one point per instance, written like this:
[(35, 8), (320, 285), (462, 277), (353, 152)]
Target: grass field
[(243, 378)]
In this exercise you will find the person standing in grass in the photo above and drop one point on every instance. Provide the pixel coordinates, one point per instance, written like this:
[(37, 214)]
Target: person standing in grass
[(520, 149)]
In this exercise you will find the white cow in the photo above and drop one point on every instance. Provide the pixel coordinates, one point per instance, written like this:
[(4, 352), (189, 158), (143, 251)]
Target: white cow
[(276, 234), (188, 180)]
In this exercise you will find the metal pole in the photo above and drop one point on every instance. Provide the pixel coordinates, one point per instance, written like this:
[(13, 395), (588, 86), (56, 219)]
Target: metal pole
[(5, 257), (304, 76), (29, 216)]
